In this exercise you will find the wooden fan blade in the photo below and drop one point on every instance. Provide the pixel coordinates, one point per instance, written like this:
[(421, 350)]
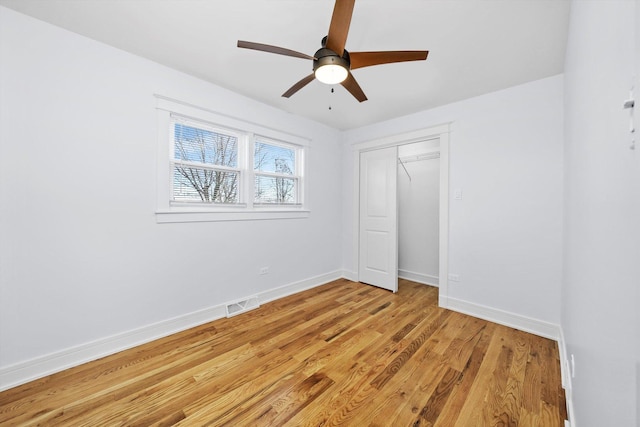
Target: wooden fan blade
[(353, 87), (366, 59), (296, 87), (273, 49), (339, 27)]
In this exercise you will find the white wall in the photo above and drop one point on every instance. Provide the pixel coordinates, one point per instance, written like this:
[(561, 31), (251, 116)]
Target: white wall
[(84, 259), (602, 212), (506, 232), (81, 255), (418, 212)]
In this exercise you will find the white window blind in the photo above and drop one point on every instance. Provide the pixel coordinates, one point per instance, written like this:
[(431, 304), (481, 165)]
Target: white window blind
[(205, 164)]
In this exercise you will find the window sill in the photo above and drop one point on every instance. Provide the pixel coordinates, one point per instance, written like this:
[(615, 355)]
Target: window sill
[(172, 216)]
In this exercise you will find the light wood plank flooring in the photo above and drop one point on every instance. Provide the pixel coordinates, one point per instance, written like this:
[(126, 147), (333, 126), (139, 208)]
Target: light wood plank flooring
[(342, 354)]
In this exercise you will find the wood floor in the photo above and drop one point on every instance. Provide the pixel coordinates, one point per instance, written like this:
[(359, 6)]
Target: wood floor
[(343, 354)]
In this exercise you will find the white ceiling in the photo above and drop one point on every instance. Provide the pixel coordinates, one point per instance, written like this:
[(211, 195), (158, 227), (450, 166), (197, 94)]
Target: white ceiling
[(476, 46)]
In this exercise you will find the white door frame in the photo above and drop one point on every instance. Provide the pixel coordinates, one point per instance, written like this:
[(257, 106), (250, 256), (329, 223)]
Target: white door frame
[(440, 132)]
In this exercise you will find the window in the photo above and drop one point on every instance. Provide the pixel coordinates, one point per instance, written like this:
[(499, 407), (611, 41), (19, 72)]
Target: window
[(204, 164), (218, 168), (274, 167)]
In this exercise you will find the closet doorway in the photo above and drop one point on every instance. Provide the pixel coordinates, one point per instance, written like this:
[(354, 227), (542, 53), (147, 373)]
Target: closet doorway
[(419, 211), (415, 259)]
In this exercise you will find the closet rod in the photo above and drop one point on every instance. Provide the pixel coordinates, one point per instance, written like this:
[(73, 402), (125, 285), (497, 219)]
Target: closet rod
[(428, 156)]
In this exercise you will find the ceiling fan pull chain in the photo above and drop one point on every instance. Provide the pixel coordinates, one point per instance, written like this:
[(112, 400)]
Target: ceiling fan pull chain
[(332, 91)]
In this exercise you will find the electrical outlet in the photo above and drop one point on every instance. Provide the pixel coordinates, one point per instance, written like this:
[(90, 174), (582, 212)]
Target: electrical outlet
[(454, 277), (264, 270)]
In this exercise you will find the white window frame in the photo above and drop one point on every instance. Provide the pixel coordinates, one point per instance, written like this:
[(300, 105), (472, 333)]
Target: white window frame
[(169, 211), (239, 169), (297, 173)]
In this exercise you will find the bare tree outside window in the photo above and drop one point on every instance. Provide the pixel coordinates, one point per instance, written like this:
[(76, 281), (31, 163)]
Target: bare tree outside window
[(197, 153), (277, 184), (284, 186)]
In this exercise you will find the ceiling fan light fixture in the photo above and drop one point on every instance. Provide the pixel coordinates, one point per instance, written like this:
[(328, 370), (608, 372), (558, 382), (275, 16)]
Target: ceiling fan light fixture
[(331, 69), (332, 63)]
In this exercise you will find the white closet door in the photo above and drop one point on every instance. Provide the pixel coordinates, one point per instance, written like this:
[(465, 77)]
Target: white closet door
[(378, 258)]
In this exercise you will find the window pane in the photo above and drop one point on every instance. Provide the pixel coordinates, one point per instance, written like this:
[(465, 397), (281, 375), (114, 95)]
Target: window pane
[(202, 185), (275, 190), (205, 146), (273, 158)]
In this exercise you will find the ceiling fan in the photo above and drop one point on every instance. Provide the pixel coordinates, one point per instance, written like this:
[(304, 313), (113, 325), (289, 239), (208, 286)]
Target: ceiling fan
[(332, 63)]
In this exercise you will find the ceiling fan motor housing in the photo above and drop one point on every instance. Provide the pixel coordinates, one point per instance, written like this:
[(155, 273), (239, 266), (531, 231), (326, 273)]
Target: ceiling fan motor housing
[(326, 56)]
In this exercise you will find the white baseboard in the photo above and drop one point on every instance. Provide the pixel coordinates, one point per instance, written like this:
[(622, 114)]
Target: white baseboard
[(425, 279), (23, 372), (565, 372), (506, 318), (350, 275), (39, 367), (402, 274), (565, 368), (302, 285)]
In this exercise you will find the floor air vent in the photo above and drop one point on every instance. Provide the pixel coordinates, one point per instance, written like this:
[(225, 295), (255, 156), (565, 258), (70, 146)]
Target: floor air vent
[(239, 307)]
